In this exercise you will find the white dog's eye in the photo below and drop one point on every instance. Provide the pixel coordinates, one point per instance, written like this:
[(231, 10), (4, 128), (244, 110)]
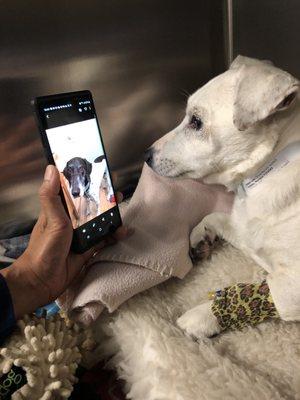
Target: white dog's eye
[(195, 123)]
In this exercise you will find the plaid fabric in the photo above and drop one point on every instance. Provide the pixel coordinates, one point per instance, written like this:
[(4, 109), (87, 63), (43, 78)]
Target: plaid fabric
[(16, 228), (15, 247)]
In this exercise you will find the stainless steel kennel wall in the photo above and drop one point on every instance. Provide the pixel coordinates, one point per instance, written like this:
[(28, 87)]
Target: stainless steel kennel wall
[(138, 57), (268, 29)]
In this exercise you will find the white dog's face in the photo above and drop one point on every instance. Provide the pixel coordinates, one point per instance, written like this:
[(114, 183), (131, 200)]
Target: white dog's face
[(230, 124)]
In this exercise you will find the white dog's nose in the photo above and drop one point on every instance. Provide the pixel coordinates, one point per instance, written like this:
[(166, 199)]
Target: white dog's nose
[(148, 156)]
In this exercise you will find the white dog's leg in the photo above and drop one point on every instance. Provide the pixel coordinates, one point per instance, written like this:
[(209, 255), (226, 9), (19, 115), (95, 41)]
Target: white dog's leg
[(215, 224), (204, 235), (199, 322)]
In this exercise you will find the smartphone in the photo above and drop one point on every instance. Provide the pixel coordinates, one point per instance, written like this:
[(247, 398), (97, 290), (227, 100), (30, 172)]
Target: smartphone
[(72, 141)]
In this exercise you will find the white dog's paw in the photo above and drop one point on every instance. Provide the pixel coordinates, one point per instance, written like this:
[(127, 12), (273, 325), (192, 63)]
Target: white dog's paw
[(203, 240), (199, 322)]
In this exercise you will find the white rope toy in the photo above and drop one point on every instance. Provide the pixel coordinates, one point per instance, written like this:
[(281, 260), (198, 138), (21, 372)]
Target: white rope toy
[(49, 351)]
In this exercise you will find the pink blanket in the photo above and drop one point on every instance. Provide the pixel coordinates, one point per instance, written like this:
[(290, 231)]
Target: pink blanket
[(162, 212)]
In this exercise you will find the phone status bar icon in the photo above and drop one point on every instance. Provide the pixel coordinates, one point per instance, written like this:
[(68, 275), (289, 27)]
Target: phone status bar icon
[(82, 109)]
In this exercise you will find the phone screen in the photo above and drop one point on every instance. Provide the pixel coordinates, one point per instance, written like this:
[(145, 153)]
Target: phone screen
[(74, 140)]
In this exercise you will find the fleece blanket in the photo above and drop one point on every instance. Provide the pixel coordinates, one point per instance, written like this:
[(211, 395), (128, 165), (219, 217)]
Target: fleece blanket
[(158, 362), (162, 213)]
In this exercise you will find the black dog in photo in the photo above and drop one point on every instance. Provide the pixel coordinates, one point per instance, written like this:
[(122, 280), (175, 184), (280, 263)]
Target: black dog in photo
[(78, 173)]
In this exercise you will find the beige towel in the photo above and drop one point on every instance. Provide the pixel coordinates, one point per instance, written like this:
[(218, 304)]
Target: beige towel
[(162, 212)]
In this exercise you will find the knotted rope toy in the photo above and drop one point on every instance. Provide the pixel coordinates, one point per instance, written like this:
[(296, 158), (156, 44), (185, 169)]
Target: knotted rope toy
[(243, 304), (49, 351)]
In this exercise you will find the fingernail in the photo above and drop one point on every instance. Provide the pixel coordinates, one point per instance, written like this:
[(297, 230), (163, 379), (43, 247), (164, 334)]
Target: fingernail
[(48, 173)]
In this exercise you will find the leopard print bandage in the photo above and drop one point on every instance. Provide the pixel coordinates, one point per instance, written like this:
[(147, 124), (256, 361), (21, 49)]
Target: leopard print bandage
[(243, 304)]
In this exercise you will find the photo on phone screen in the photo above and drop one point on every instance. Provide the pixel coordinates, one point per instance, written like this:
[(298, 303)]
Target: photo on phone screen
[(79, 157)]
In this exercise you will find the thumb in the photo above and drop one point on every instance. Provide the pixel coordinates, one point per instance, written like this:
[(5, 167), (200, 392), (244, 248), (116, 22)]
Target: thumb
[(51, 204)]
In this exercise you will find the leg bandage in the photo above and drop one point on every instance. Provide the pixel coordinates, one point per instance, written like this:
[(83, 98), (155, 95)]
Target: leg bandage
[(243, 304)]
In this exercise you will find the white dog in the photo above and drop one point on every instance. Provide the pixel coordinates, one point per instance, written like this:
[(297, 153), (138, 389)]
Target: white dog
[(242, 130)]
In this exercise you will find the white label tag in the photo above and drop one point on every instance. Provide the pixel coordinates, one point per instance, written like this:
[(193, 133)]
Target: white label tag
[(283, 158), (273, 166)]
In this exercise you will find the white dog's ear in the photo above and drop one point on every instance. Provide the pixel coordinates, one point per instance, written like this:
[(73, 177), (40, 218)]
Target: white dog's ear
[(240, 61), (262, 90)]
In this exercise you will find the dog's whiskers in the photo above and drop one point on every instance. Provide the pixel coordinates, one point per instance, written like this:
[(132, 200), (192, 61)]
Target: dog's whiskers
[(185, 93)]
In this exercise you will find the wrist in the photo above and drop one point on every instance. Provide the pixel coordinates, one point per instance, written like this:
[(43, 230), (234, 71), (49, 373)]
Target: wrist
[(26, 290)]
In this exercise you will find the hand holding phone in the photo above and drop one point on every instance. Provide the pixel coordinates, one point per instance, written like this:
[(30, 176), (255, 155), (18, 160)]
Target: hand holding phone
[(47, 267), (72, 141)]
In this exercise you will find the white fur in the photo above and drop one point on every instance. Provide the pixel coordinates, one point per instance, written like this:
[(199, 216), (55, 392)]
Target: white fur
[(158, 361), (199, 321), (246, 122)]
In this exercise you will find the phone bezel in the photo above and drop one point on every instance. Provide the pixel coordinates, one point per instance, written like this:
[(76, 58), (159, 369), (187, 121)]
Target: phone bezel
[(79, 245)]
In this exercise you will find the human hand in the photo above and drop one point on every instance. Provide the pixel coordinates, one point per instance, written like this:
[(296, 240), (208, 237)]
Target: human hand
[(48, 267)]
